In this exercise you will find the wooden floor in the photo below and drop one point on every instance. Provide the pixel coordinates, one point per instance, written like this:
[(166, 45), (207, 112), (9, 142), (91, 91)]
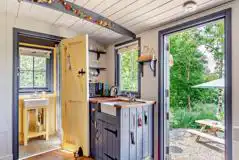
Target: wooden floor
[(57, 155)]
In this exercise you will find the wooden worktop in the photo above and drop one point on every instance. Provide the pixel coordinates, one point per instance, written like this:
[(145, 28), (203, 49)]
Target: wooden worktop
[(102, 99), (108, 99)]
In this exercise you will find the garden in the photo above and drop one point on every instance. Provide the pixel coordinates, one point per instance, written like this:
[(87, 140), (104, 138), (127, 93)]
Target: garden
[(198, 57)]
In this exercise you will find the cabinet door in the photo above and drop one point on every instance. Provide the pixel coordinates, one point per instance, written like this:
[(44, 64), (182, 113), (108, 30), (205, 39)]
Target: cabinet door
[(99, 140), (111, 142), (92, 129), (139, 134), (145, 131), (133, 133)]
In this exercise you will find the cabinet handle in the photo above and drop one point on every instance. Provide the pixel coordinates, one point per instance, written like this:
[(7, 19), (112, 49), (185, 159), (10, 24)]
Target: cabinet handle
[(132, 138), (145, 118), (110, 157), (113, 132)]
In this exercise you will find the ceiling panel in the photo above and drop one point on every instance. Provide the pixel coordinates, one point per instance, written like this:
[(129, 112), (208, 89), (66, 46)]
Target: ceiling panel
[(92, 4), (145, 9), (83, 26), (44, 14), (136, 15), (167, 16), (66, 20), (81, 2), (117, 7), (167, 8), (105, 36), (105, 5), (129, 9)]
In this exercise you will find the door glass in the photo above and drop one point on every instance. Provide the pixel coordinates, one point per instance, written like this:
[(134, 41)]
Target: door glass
[(194, 75)]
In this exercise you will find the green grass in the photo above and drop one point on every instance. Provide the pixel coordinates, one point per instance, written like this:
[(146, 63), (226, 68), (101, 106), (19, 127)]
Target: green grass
[(181, 118)]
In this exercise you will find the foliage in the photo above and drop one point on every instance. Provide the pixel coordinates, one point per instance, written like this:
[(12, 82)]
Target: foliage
[(212, 37), (189, 49), (181, 118), (129, 71), (188, 70), (32, 71)]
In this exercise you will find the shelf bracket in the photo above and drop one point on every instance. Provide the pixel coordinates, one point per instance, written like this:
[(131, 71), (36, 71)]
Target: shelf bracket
[(98, 56)]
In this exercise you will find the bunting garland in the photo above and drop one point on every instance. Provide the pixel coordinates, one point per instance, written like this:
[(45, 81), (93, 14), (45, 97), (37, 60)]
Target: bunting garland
[(77, 12)]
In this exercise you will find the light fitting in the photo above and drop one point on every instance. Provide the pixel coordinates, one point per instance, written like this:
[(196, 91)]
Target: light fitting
[(190, 6)]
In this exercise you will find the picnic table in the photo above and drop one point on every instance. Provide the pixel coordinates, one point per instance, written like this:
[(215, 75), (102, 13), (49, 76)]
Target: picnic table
[(208, 125)]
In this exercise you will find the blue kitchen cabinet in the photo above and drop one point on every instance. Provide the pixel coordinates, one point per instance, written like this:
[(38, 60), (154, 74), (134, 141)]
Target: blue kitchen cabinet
[(126, 136), (92, 108)]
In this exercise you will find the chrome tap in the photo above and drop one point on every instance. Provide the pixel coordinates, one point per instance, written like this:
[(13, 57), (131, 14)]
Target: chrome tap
[(131, 97)]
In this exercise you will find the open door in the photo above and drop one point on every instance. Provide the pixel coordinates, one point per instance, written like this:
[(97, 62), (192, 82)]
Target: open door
[(74, 91), (166, 97)]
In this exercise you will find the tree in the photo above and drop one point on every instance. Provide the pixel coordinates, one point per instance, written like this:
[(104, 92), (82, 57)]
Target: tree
[(212, 37), (189, 69)]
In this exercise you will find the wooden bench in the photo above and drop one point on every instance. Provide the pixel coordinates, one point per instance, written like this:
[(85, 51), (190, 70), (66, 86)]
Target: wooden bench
[(207, 136)]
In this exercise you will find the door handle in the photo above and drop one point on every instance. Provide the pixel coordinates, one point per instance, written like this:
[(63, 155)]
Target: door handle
[(81, 72), (113, 132)]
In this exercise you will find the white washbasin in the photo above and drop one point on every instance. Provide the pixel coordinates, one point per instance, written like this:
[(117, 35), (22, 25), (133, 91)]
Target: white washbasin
[(36, 102), (109, 107)]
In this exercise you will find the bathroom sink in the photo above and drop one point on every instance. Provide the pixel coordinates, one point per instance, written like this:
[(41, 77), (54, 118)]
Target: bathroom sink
[(36, 102)]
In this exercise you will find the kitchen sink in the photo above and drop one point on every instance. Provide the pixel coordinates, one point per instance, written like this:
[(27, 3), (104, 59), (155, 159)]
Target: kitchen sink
[(110, 107), (36, 102)]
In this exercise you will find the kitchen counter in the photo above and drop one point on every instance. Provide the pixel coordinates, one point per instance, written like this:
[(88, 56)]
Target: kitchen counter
[(96, 100), (103, 99)]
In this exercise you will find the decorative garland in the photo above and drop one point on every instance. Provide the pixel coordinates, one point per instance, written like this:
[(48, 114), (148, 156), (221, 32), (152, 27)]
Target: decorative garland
[(77, 12)]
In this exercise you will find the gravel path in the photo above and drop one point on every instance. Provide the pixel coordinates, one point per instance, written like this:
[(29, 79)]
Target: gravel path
[(184, 147)]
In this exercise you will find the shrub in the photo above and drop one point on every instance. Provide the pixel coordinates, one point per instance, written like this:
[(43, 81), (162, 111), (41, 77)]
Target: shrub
[(181, 118)]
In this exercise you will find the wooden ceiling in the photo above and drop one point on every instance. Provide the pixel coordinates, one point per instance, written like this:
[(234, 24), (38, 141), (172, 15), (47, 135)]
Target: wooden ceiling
[(135, 15)]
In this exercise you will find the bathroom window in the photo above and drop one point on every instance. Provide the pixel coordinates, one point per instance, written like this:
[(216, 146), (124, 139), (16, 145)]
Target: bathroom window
[(128, 77), (35, 71)]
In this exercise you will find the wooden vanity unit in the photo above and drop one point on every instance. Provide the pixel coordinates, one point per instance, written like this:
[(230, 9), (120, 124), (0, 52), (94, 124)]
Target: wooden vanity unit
[(39, 106)]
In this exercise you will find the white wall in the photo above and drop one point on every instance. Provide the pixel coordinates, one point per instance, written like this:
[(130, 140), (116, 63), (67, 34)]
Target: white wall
[(149, 84), (102, 61), (6, 52)]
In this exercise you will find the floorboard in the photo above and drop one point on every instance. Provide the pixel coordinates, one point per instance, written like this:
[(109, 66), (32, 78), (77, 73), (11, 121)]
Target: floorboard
[(57, 155)]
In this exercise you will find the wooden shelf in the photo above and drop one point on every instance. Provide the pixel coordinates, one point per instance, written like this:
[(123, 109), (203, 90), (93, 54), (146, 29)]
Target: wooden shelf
[(98, 69), (153, 68), (97, 52), (145, 58), (36, 134)]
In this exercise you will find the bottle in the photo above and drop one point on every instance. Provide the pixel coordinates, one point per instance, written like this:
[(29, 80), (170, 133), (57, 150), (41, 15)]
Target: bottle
[(106, 89)]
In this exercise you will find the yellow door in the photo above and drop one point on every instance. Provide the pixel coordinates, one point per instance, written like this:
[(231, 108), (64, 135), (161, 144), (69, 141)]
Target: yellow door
[(74, 71)]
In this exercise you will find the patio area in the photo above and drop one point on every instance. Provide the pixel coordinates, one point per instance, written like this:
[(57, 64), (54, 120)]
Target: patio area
[(184, 147)]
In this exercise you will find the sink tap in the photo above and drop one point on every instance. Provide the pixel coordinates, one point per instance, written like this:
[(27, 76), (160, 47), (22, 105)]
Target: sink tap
[(131, 97)]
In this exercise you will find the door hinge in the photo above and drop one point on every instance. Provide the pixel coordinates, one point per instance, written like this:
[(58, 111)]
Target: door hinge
[(167, 115), (113, 132), (167, 150), (167, 46), (166, 93), (18, 71)]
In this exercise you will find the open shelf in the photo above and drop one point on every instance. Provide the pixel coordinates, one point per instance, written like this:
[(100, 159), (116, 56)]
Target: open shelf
[(152, 67), (36, 134), (98, 69), (97, 52)]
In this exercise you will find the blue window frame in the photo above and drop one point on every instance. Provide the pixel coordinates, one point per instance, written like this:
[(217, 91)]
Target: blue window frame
[(35, 71)]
